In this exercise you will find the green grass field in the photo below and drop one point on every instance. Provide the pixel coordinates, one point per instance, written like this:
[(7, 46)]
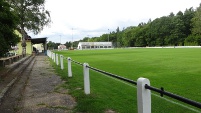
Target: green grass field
[(177, 70)]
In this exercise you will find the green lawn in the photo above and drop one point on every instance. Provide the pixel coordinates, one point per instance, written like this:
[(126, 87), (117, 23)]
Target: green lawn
[(177, 70)]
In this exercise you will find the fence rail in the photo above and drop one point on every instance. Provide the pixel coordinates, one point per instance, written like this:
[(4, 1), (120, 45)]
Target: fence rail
[(77, 62), (177, 97), (143, 85), (113, 75)]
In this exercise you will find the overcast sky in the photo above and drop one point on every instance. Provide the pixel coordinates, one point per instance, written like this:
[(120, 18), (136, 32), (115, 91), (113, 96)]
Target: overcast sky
[(73, 20)]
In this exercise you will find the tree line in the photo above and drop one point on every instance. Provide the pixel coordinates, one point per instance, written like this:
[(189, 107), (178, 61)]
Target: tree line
[(181, 29)]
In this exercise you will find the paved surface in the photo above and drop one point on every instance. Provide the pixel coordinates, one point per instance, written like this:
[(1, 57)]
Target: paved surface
[(38, 90)]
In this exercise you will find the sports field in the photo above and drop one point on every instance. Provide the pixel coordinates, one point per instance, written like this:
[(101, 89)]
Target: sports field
[(177, 70)]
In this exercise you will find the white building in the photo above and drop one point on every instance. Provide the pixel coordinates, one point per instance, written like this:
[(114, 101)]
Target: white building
[(94, 45), (61, 47)]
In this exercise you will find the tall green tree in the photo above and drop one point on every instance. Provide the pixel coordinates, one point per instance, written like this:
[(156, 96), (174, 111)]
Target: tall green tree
[(32, 15), (119, 37), (8, 23), (177, 30), (187, 17), (196, 23)]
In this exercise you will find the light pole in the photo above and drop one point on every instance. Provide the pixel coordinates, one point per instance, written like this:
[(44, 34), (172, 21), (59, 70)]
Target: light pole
[(60, 39), (88, 37), (72, 38), (108, 35)]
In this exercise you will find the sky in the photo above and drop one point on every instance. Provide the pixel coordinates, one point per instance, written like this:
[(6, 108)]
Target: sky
[(73, 20)]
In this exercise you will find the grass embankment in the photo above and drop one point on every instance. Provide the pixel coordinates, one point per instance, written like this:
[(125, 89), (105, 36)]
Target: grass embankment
[(177, 70)]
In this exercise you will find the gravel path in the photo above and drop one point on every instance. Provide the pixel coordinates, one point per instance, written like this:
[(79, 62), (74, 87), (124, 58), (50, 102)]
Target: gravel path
[(43, 92)]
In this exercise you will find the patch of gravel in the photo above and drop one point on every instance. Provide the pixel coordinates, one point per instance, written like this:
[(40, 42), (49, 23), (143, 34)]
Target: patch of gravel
[(43, 93)]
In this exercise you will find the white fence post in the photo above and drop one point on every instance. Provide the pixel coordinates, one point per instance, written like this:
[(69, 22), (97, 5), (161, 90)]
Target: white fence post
[(57, 59), (54, 57), (48, 53), (61, 61), (52, 54), (86, 78), (143, 96), (69, 67)]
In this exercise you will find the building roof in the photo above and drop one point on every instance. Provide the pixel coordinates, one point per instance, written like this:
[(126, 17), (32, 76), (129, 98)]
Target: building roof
[(38, 40)]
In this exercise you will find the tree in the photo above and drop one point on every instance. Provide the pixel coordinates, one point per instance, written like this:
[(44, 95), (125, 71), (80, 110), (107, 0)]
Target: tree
[(177, 30), (50, 45), (32, 15), (119, 37), (188, 15), (68, 44), (8, 23), (196, 22)]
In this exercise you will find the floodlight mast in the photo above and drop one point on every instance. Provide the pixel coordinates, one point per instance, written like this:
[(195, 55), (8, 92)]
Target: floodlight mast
[(72, 38), (88, 37), (60, 39), (108, 35)]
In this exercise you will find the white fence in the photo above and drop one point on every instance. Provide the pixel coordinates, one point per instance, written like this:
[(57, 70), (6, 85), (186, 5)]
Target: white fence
[(143, 85)]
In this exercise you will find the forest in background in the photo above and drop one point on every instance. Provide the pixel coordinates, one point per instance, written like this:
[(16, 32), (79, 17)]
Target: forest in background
[(181, 29)]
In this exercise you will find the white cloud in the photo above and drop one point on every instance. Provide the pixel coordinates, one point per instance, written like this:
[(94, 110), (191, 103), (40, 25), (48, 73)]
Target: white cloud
[(95, 17)]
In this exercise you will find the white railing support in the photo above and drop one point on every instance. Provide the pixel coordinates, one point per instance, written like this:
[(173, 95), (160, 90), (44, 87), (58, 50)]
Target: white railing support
[(57, 59), (61, 61), (86, 78), (143, 96), (54, 57), (69, 67), (48, 53)]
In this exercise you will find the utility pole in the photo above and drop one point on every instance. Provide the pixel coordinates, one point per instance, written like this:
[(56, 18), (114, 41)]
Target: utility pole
[(72, 38), (88, 37), (108, 35), (60, 39)]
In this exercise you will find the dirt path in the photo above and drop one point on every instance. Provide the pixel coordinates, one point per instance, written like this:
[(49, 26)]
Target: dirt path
[(42, 91)]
